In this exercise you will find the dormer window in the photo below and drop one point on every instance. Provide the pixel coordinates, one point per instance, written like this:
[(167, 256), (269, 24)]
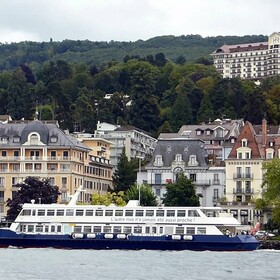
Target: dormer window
[(34, 139), (208, 132), (16, 139), (198, 132), (169, 148), (53, 139), (269, 153), (4, 140), (192, 161), (158, 160), (178, 157), (244, 142)]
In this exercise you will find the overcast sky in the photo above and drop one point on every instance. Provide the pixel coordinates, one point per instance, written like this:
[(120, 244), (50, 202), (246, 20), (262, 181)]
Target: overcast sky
[(130, 20)]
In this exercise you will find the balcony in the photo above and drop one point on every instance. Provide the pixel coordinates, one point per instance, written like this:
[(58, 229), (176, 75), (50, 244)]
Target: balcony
[(202, 182), (247, 191), (243, 176), (216, 182)]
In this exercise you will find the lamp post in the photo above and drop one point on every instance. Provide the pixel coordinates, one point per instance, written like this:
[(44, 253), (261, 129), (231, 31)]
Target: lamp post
[(139, 185)]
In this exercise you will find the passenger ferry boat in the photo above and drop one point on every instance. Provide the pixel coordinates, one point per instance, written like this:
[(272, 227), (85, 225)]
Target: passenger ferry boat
[(130, 227)]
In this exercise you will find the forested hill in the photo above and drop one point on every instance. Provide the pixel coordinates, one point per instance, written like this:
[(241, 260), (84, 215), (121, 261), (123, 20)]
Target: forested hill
[(188, 48)]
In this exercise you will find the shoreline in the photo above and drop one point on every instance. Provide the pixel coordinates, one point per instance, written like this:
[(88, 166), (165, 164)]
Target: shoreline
[(270, 244)]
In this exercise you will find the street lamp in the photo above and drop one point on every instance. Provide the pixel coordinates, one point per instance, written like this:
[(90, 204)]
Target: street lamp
[(139, 185)]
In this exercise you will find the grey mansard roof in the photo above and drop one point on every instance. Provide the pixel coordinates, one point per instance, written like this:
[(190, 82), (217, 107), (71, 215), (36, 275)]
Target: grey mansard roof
[(171, 144), (47, 130)]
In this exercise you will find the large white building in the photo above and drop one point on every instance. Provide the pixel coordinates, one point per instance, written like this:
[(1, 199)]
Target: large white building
[(249, 61), (174, 154)]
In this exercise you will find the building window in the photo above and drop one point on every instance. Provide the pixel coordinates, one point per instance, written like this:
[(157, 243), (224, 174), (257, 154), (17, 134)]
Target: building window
[(158, 179), (192, 160), (178, 157), (2, 181), (238, 187), (16, 154), (198, 132), (53, 154), (4, 153), (64, 181), (216, 194), (193, 177), (244, 142), (34, 139), (239, 155)]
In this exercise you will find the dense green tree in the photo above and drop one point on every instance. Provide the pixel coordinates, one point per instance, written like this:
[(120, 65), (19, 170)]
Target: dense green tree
[(31, 188), (108, 198), (147, 196), (181, 113), (19, 99), (125, 174), (181, 193), (206, 112), (271, 188), (165, 128)]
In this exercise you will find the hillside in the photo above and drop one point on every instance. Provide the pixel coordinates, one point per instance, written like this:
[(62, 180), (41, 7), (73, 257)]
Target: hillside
[(191, 47)]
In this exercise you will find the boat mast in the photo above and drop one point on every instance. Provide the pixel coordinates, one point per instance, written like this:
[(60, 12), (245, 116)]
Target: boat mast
[(75, 196)]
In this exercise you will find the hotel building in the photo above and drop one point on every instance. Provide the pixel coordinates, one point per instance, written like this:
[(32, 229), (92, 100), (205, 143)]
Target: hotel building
[(249, 61)]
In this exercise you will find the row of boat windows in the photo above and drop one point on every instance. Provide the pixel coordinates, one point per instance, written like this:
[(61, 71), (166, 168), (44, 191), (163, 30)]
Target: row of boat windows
[(111, 229), (110, 212)]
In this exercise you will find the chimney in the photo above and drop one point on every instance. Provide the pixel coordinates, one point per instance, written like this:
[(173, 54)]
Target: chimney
[(264, 132)]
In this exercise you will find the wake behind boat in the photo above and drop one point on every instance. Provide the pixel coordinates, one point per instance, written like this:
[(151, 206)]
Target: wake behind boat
[(131, 227)]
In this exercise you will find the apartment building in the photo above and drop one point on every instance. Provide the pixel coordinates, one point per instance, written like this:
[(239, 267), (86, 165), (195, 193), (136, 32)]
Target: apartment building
[(249, 61), (218, 136), (244, 173), (136, 142), (42, 149)]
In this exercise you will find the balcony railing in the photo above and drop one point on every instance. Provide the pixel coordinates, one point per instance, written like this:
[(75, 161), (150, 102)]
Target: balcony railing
[(243, 176), (216, 182), (243, 191)]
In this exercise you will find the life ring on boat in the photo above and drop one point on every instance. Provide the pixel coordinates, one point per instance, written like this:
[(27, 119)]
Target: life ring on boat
[(75, 235)]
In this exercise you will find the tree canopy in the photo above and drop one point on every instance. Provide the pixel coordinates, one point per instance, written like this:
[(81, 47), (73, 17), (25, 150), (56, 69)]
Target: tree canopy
[(147, 196), (31, 188), (181, 193), (271, 189), (108, 198)]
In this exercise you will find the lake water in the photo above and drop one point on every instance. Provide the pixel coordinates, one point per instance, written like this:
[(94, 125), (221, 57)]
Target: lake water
[(55, 264)]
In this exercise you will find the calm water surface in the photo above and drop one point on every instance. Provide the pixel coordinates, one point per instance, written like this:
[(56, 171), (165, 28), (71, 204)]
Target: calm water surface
[(50, 264)]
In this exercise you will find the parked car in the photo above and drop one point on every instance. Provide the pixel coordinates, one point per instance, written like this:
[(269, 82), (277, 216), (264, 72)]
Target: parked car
[(263, 234)]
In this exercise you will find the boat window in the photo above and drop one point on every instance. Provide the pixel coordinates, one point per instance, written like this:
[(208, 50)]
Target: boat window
[(30, 228), (190, 230), (159, 213), (137, 229), (77, 229), (108, 212), (127, 229), (52, 228), (117, 229), (33, 212), (26, 212), (201, 230), (147, 230), (181, 213), (154, 230), (99, 212), (107, 229), (89, 212), (129, 213), (39, 228), (179, 230), (69, 212), (119, 213), (170, 213), (58, 228), (149, 213), (79, 212), (46, 228), (139, 213), (161, 230), (50, 212), (41, 212), (87, 229), (60, 212), (97, 229), (193, 213), (23, 228)]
